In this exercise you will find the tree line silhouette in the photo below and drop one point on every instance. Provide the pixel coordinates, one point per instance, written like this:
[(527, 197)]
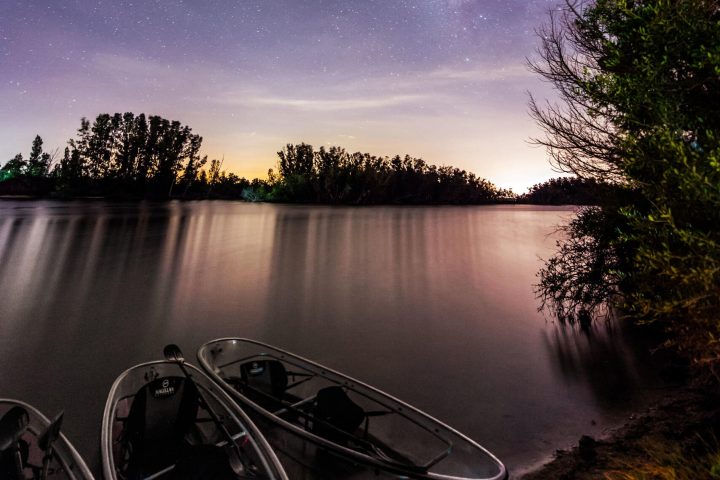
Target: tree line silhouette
[(333, 175), (571, 191), (139, 156)]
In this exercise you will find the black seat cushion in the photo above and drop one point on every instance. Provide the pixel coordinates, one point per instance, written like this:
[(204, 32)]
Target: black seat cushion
[(333, 407), (162, 413), (8, 470), (266, 376)]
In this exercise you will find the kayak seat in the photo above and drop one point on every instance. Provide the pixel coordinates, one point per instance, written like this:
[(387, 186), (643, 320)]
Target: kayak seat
[(161, 415), (266, 376), (8, 470), (337, 413)]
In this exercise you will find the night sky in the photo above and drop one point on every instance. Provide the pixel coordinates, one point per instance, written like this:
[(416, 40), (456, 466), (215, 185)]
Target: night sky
[(444, 80)]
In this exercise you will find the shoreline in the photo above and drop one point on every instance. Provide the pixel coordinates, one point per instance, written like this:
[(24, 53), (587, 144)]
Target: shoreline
[(137, 201), (680, 429)]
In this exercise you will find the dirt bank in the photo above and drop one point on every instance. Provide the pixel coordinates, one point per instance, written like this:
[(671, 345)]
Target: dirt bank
[(678, 438)]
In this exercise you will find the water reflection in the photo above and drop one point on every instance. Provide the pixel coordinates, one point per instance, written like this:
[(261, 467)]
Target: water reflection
[(336, 266), (604, 357), (434, 305)]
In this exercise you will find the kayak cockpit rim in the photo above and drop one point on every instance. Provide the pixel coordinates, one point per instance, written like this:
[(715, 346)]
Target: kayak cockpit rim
[(324, 374), (209, 351)]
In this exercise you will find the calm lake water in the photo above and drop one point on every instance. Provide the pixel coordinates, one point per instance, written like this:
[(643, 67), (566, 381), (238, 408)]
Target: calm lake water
[(433, 305)]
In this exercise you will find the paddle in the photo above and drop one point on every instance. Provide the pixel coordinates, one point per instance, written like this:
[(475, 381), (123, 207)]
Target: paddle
[(46, 440), (12, 427), (173, 353)]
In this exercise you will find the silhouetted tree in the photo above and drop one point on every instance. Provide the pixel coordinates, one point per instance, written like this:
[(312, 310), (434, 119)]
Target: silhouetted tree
[(134, 154), (144, 153), (128, 146), (192, 169), (100, 147), (571, 191), (13, 168), (334, 176), (296, 160), (82, 146), (38, 161)]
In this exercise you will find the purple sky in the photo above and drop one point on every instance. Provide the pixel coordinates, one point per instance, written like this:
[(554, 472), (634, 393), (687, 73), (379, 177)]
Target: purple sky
[(444, 80)]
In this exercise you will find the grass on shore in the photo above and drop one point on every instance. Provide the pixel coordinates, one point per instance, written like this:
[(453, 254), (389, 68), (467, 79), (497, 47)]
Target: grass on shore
[(675, 440), (657, 458)]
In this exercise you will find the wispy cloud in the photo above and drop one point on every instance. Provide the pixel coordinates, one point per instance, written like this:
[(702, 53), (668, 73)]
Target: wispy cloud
[(486, 74), (332, 105), (445, 82), (211, 84), (226, 89)]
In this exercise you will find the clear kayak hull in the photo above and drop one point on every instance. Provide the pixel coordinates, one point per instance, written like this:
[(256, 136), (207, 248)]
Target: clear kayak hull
[(340, 415), (161, 423), (64, 462)]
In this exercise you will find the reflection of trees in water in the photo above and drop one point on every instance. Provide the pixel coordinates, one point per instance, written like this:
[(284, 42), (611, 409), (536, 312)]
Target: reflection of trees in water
[(288, 282), (88, 266), (608, 358), (332, 268)]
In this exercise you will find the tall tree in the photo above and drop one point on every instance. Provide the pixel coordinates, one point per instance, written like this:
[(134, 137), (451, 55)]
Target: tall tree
[(125, 132), (296, 160), (639, 89), (101, 146), (38, 162), (81, 145), (194, 163)]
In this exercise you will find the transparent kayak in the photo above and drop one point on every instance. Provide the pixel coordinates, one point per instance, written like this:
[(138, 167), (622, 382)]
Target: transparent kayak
[(33, 447), (164, 420), (343, 416)]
